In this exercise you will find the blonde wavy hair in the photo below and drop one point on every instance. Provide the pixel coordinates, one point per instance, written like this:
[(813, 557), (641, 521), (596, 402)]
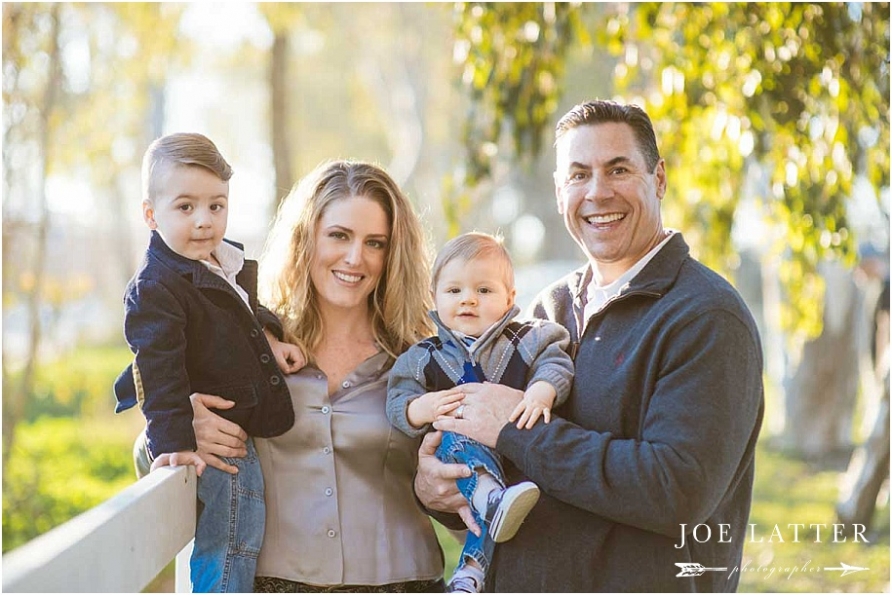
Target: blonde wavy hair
[(401, 300)]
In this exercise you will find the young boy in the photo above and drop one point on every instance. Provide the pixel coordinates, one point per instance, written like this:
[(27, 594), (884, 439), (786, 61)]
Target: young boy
[(473, 289), (193, 328)]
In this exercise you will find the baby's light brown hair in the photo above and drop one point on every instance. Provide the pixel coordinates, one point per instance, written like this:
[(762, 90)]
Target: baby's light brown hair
[(470, 246)]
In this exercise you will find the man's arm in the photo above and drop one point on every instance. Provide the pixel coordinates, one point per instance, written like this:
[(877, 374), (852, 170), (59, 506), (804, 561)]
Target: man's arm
[(701, 419)]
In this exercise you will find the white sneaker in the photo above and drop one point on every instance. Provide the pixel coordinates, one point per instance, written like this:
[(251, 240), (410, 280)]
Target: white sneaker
[(466, 579), (507, 509)]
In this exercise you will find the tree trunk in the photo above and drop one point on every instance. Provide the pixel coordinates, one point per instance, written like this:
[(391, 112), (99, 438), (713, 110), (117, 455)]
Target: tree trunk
[(867, 471), (278, 87), (869, 467), (822, 392)]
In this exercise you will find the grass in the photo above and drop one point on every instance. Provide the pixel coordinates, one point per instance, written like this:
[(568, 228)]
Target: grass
[(790, 491)]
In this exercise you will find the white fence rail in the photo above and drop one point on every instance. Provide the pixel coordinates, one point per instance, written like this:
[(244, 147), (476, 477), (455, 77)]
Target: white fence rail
[(116, 547)]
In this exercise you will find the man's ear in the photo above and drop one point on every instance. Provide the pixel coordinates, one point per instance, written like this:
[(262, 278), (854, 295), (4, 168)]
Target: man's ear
[(557, 194), (660, 174), (148, 214)]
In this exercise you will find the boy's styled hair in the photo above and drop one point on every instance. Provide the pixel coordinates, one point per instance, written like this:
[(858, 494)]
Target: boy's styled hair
[(399, 303), (469, 246), (180, 149)]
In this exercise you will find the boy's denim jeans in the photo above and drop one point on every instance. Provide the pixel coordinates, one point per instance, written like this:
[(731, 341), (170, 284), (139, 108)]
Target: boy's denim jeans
[(230, 527), (456, 448)]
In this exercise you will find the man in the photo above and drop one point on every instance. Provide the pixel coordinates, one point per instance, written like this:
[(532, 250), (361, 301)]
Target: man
[(649, 464)]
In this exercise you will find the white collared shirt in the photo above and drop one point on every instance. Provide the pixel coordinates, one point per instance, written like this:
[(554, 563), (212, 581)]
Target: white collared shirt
[(597, 296), (231, 260)]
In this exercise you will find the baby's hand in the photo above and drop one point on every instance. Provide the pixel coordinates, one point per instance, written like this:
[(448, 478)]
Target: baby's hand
[(289, 357), (430, 406), (530, 409), (180, 458)]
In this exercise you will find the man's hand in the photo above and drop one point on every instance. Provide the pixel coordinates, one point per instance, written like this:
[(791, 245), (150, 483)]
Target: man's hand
[(486, 410), (435, 482), (172, 459), (288, 356), (216, 437), (430, 406)]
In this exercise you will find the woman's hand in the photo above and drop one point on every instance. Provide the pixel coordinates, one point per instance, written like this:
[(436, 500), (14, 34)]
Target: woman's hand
[(216, 437), (435, 482)]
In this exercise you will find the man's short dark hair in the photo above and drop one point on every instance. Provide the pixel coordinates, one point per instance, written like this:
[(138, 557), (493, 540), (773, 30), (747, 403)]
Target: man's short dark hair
[(599, 111)]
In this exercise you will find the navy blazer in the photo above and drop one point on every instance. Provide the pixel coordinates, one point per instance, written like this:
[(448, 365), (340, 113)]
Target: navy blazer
[(191, 332)]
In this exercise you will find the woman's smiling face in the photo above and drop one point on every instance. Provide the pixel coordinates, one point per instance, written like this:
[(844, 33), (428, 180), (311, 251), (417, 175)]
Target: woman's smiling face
[(352, 239)]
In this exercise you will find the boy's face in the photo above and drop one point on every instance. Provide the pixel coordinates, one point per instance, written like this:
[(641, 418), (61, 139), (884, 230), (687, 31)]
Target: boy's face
[(470, 296), (189, 210)]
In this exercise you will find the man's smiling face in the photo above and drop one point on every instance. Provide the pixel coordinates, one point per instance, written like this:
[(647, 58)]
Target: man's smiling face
[(608, 198)]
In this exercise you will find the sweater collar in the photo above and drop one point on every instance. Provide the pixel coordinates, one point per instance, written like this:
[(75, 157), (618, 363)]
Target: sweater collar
[(656, 277), (489, 335)]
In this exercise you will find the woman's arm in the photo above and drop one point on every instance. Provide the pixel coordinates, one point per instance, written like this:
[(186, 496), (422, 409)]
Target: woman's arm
[(216, 437)]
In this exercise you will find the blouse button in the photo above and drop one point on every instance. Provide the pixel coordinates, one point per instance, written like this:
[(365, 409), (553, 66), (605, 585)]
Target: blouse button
[(326, 409), (264, 358), (326, 450), (332, 533), (328, 491), (346, 384)]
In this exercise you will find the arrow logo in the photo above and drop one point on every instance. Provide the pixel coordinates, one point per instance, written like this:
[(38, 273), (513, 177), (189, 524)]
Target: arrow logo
[(846, 569), (689, 569)]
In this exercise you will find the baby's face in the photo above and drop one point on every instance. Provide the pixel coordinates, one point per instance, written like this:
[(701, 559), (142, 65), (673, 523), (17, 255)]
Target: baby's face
[(470, 296), (190, 210)]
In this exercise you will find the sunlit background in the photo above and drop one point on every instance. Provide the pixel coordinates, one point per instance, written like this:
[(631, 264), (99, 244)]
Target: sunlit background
[(773, 120)]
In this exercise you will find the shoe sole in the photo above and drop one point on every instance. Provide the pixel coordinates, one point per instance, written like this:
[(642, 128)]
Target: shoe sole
[(513, 510)]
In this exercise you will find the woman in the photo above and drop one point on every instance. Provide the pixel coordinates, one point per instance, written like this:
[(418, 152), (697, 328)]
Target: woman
[(345, 269)]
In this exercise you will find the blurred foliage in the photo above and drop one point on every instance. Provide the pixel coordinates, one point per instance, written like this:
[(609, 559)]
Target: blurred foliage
[(59, 468), (512, 56), (799, 91), (79, 384), (143, 45), (71, 451)]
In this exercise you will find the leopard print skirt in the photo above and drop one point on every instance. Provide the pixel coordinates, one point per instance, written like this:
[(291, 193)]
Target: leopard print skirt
[(268, 584)]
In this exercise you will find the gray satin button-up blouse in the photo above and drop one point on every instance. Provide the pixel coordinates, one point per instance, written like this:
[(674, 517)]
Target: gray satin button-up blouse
[(339, 494)]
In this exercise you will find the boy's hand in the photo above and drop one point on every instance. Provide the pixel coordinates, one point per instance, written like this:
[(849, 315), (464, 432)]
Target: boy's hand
[(172, 459), (537, 402), (289, 357), (430, 406)]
